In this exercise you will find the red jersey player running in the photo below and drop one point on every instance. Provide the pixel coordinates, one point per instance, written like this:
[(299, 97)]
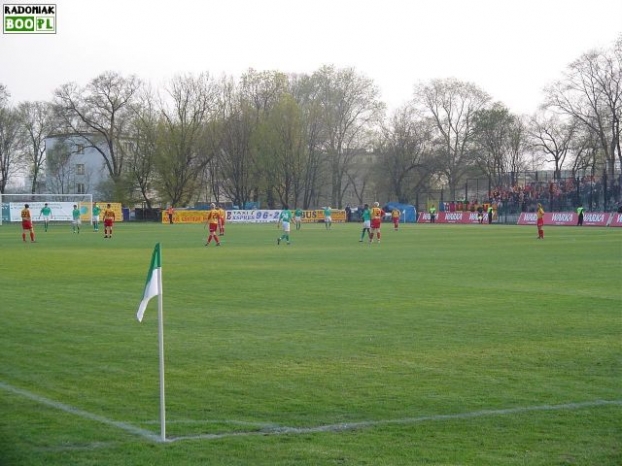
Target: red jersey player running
[(376, 221)]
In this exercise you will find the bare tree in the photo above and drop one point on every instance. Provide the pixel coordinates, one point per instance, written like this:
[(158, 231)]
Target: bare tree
[(591, 92), (352, 109), (60, 172), (101, 114), (501, 142), (517, 147), (281, 143), (231, 132), (405, 153), (307, 92), (552, 137), (452, 105), (491, 133), (37, 121), (182, 148), (9, 139), (140, 158)]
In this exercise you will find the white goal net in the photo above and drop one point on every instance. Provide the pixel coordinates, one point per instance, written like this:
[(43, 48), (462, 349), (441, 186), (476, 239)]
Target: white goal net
[(61, 206)]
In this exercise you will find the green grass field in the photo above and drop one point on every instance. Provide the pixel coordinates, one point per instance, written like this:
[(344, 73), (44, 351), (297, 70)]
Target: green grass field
[(443, 345)]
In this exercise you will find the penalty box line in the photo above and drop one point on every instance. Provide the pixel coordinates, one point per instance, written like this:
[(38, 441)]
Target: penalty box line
[(278, 430)]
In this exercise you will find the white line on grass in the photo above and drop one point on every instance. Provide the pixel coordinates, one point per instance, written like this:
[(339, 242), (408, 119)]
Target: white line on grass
[(78, 412), (267, 429), (404, 421)]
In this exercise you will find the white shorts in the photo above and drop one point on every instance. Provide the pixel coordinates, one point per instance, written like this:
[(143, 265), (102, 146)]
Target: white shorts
[(285, 226), (298, 219), (76, 222), (329, 219), (46, 218), (367, 224)]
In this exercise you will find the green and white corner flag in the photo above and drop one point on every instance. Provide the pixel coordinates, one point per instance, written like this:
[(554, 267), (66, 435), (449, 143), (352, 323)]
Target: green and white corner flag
[(153, 287)]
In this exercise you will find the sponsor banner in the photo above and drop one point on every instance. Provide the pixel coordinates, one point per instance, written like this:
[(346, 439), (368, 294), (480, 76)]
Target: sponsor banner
[(528, 218), (561, 218), (597, 219), (424, 217), (186, 216), (338, 216), (251, 216), (615, 220), (452, 217), (61, 211)]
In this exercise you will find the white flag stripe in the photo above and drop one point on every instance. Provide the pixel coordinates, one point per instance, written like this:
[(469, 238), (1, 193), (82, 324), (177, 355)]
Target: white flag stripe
[(153, 285), (151, 289)]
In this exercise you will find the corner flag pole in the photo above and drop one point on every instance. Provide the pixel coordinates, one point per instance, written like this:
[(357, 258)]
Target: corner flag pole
[(153, 288), (161, 352)]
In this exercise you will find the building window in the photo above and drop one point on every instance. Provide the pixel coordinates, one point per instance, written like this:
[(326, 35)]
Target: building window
[(80, 148), (79, 169), (80, 189)]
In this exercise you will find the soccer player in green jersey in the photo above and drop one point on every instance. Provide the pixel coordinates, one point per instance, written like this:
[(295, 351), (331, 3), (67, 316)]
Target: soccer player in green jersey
[(298, 218), (96, 212), (328, 217), (366, 217), (75, 222), (46, 213), (284, 219)]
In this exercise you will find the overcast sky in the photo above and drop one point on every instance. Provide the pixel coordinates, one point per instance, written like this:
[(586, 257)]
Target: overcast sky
[(509, 48)]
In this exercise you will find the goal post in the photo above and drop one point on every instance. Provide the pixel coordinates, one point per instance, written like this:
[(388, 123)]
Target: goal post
[(60, 204)]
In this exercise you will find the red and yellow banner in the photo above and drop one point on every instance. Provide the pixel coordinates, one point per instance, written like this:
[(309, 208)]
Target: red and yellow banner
[(251, 216)]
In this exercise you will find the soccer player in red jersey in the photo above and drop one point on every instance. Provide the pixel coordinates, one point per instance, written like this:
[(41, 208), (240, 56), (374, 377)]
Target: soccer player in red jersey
[(395, 216), (109, 218), (540, 221), (213, 221), (376, 221), (27, 224)]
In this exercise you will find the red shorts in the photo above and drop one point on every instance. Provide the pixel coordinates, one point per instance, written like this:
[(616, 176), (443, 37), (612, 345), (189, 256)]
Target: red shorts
[(108, 222), (26, 225), (375, 223), (213, 227), (540, 222)]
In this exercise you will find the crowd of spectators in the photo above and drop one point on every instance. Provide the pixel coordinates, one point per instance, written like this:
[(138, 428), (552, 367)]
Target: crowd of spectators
[(562, 194), (559, 194)]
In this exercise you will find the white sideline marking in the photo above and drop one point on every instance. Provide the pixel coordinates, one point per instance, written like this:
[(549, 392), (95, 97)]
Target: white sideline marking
[(267, 429), (78, 412), (409, 420)]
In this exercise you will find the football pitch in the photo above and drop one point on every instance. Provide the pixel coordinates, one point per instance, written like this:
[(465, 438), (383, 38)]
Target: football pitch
[(442, 345)]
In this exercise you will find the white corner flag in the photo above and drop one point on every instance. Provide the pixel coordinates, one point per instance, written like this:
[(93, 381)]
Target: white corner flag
[(153, 287)]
